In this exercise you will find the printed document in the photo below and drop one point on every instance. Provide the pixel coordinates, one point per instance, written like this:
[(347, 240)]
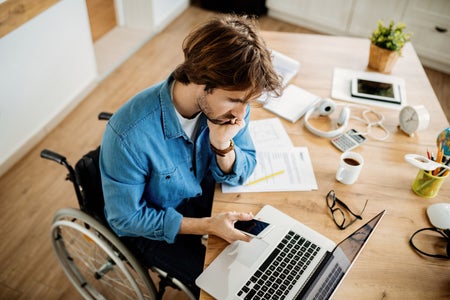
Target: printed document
[(280, 166)]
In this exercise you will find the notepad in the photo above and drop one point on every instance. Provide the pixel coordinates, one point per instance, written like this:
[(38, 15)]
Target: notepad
[(293, 104)]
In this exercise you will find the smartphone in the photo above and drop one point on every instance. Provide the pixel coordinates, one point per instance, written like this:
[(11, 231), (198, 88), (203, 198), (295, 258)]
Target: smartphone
[(253, 228), (376, 90)]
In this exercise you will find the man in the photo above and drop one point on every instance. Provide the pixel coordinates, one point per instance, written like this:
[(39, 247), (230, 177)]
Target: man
[(163, 151)]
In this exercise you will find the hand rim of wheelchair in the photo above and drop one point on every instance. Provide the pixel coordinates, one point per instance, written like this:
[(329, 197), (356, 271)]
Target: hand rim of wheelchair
[(106, 241)]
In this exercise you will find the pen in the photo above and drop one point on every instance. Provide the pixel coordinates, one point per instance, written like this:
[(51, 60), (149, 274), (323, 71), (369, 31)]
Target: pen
[(265, 177)]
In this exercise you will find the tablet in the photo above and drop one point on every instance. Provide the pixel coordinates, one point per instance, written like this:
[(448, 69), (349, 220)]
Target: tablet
[(376, 90)]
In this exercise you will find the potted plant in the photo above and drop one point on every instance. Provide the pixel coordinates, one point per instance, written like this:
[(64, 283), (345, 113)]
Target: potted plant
[(386, 45)]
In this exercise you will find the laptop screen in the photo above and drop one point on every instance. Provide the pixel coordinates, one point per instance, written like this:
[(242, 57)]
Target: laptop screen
[(335, 266)]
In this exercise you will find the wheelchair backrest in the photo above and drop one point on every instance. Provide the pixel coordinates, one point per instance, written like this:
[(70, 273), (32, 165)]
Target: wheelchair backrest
[(87, 171)]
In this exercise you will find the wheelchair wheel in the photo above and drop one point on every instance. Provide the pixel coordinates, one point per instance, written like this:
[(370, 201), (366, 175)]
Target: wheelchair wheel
[(96, 261)]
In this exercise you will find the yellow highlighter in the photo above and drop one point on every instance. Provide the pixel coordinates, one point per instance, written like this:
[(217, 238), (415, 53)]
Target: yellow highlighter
[(265, 177)]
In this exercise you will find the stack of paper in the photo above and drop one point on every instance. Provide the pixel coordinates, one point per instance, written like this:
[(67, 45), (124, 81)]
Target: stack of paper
[(285, 66), (280, 166)]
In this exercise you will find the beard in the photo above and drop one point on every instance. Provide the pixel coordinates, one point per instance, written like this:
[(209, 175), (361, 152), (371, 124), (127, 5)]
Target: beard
[(227, 118)]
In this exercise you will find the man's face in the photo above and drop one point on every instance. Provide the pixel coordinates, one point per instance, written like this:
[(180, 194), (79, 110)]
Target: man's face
[(222, 106)]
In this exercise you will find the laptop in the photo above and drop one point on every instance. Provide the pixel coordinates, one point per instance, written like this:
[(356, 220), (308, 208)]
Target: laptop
[(291, 261)]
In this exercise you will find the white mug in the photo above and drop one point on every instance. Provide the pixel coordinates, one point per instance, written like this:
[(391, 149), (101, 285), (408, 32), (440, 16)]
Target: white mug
[(350, 166)]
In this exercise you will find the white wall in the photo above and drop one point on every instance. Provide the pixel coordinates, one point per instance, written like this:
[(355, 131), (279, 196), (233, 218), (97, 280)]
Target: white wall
[(45, 64), (48, 65), (148, 14), (164, 11)]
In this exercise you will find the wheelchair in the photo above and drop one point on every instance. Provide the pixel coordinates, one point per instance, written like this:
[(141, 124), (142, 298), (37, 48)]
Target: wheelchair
[(95, 260)]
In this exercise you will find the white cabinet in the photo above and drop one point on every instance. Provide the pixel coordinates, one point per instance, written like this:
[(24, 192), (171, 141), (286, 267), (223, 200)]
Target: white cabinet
[(324, 15), (366, 14), (429, 21)]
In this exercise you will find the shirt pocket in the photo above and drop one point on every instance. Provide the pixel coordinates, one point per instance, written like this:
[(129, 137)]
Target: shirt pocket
[(168, 188)]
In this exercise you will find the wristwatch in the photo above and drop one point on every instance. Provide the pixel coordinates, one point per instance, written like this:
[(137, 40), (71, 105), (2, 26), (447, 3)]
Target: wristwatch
[(223, 151)]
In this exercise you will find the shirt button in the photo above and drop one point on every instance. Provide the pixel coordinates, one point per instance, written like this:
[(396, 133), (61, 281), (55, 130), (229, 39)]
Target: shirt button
[(168, 177)]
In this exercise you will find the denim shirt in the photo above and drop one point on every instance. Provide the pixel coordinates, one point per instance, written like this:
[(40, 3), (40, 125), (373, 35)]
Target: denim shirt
[(149, 165)]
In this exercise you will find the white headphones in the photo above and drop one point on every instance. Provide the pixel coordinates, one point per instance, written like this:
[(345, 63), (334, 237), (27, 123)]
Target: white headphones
[(326, 107)]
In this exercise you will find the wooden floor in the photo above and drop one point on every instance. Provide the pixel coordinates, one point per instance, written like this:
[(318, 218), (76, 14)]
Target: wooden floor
[(34, 188)]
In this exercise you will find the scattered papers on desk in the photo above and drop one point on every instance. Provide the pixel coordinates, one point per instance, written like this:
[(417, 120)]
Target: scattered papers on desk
[(297, 175), (293, 104), (341, 87), (280, 166)]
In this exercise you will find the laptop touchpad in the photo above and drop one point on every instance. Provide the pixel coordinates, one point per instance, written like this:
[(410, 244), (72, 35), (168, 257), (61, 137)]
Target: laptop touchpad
[(248, 253)]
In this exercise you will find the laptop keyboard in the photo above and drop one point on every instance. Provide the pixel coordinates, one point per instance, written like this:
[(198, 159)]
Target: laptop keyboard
[(281, 270)]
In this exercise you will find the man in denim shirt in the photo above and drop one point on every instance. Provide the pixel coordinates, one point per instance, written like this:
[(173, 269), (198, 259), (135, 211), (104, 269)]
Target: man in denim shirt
[(163, 151)]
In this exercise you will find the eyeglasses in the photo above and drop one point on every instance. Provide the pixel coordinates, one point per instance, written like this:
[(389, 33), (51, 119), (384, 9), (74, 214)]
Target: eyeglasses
[(338, 214), (431, 243)]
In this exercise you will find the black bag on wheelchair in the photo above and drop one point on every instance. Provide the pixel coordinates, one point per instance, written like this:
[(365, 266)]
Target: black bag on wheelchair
[(88, 175)]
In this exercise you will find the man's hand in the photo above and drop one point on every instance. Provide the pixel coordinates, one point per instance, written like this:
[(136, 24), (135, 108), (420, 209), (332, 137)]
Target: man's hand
[(220, 135), (222, 225)]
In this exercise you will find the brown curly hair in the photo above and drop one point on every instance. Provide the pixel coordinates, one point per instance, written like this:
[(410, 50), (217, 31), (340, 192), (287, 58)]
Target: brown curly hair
[(227, 53)]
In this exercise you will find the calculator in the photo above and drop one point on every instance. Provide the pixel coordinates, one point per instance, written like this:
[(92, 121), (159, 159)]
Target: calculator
[(348, 140)]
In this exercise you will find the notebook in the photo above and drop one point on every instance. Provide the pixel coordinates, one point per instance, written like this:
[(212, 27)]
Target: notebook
[(292, 104), (291, 261)]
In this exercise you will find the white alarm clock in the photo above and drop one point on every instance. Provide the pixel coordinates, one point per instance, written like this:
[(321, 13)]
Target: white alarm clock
[(413, 118)]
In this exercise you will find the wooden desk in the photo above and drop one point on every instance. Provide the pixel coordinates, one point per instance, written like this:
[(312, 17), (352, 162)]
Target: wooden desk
[(387, 268)]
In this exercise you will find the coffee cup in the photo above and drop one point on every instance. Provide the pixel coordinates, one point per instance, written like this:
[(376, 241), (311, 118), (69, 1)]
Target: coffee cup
[(350, 165)]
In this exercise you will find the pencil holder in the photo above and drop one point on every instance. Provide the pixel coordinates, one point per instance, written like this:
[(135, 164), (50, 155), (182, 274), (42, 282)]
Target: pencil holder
[(427, 185)]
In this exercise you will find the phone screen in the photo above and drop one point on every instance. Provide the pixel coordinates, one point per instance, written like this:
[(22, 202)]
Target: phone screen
[(376, 88), (253, 227)]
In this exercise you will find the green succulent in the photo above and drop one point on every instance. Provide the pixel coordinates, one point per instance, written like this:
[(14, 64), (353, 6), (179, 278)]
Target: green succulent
[(391, 37)]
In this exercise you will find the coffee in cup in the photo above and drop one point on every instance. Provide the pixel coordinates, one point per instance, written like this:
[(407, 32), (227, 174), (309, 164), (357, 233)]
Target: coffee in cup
[(350, 165)]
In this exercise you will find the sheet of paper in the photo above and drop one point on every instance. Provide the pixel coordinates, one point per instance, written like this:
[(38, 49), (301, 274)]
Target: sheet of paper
[(293, 169), (269, 133)]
